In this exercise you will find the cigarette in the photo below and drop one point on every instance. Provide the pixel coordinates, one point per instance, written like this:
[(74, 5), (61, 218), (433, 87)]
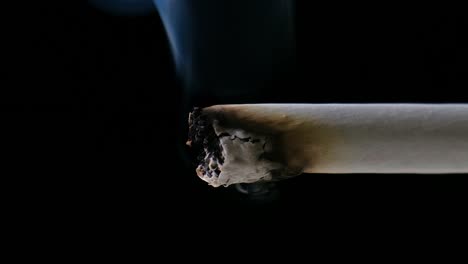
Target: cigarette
[(267, 142)]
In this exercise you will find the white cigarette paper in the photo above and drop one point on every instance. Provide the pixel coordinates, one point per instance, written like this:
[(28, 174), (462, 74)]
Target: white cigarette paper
[(261, 142)]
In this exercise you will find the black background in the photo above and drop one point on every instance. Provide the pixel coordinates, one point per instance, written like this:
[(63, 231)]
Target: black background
[(94, 112)]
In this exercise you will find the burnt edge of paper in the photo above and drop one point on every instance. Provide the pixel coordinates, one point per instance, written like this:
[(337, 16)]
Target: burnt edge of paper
[(202, 137), (204, 141)]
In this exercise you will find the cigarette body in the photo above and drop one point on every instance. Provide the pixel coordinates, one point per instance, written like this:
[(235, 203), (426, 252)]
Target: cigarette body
[(263, 142)]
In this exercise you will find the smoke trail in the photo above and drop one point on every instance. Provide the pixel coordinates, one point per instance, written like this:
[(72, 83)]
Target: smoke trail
[(176, 18), (229, 48)]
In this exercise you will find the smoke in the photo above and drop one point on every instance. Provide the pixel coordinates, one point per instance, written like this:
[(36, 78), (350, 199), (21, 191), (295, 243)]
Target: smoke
[(222, 48), (176, 17), (229, 47)]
